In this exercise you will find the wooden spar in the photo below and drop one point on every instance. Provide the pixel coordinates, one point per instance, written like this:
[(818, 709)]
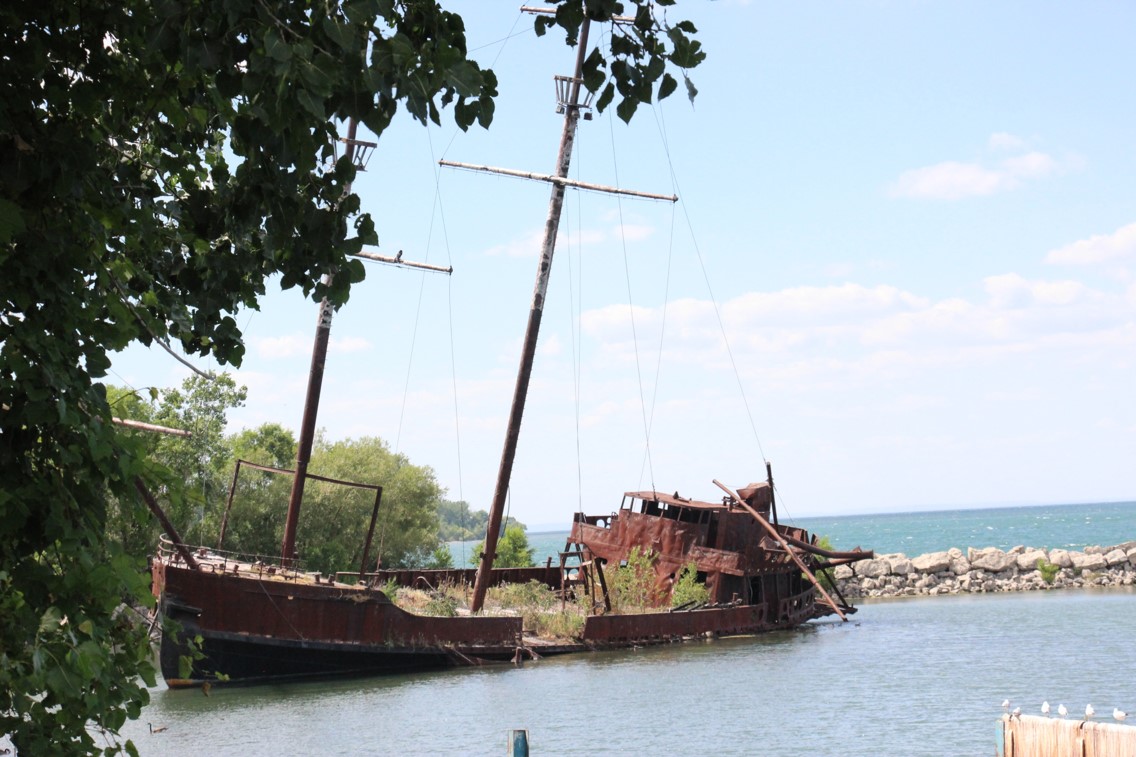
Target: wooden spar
[(160, 514), (546, 11), (784, 545), (370, 534), (312, 397), (139, 425), (397, 260), (559, 180), (528, 351)]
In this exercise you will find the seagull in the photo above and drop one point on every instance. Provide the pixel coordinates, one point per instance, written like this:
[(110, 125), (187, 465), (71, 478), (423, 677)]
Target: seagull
[(1045, 708), (1089, 712), (1017, 713), (1061, 710), (1005, 704), (1118, 713)]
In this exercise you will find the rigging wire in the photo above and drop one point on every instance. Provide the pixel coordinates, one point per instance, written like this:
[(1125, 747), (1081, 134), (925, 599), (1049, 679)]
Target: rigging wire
[(663, 324), (661, 125), (575, 310), (439, 208), (631, 312)]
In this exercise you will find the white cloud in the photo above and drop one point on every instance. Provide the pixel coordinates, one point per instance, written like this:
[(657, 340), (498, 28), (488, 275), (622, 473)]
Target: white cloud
[(828, 335), (550, 346), (289, 345), (1100, 248), (1003, 141), (949, 181), (954, 180), (350, 344)]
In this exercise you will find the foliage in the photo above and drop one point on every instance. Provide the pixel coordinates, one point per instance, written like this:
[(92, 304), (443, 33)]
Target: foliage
[(160, 162), (334, 520), (442, 606), (538, 605), (1047, 570), (459, 523), (824, 576), (639, 52), (633, 587), (688, 589), (440, 559), (513, 550)]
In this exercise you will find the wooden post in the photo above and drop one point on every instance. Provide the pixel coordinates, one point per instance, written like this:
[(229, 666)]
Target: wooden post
[(528, 350), (518, 743), (781, 540)]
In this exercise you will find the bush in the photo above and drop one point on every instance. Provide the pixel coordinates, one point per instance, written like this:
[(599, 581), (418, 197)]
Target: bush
[(632, 587), (688, 589), (538, 605)]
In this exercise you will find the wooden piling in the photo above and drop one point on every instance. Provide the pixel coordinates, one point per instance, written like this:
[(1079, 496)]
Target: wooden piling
[(518, 743), (1034, 736)]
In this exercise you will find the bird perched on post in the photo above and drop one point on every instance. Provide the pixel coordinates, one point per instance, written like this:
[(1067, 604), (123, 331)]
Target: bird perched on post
[(1045, 708), (1006, 705), (1089, 712), (1118, 713), (1062, 710), (1016, 714)]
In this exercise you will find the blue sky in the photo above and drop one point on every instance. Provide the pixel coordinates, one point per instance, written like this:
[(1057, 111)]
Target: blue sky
[(915, 222)]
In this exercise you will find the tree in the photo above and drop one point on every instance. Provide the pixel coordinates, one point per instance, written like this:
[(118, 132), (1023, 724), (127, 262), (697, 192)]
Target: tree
[(513, 550), (159, 162), (334, 519), (459, 523)]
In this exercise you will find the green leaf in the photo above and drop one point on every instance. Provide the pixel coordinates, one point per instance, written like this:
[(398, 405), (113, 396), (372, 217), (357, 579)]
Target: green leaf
[(11, 221), (312, 104), (667, 86), (50, 621), (626, 109)]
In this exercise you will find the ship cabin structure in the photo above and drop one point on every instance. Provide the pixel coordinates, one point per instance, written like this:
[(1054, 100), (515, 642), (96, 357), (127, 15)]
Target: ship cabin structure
[(732, 552)]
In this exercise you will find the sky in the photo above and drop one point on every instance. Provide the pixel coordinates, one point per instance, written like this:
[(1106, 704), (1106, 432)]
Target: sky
[(901, 269)]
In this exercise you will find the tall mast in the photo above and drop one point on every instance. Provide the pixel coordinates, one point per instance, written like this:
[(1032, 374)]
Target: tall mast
[(520, 391), (312, 398)]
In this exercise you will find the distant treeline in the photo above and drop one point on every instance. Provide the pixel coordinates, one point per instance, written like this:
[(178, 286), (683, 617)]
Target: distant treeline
[(458, 523)]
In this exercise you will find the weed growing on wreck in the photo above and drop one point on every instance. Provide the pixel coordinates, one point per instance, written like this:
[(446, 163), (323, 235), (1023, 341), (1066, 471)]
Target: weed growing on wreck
[(533, 594), (562, 624), (688, 590), (539, 607), (441, 605), (632, 587), (824, 576)]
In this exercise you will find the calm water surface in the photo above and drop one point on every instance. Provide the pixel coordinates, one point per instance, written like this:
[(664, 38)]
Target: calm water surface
[(919, 676)]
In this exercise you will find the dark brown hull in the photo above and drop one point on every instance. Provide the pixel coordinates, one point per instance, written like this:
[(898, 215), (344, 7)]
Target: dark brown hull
[(255, 630)]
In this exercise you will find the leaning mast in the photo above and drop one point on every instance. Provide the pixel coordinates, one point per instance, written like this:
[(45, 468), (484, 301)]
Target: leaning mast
[(568, 100)]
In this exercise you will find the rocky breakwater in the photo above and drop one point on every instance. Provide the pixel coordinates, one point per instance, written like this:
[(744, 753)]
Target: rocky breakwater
[(988, 570)]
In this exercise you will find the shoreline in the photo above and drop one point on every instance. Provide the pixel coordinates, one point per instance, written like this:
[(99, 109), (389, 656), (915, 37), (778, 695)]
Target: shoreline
[(988, 570)]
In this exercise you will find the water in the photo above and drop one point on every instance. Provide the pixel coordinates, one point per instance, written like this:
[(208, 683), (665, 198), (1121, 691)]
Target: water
[(918, 676), (905, 677)]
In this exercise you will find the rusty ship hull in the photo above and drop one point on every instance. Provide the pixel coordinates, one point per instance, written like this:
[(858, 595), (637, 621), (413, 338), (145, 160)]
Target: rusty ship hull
[(258, 623)]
